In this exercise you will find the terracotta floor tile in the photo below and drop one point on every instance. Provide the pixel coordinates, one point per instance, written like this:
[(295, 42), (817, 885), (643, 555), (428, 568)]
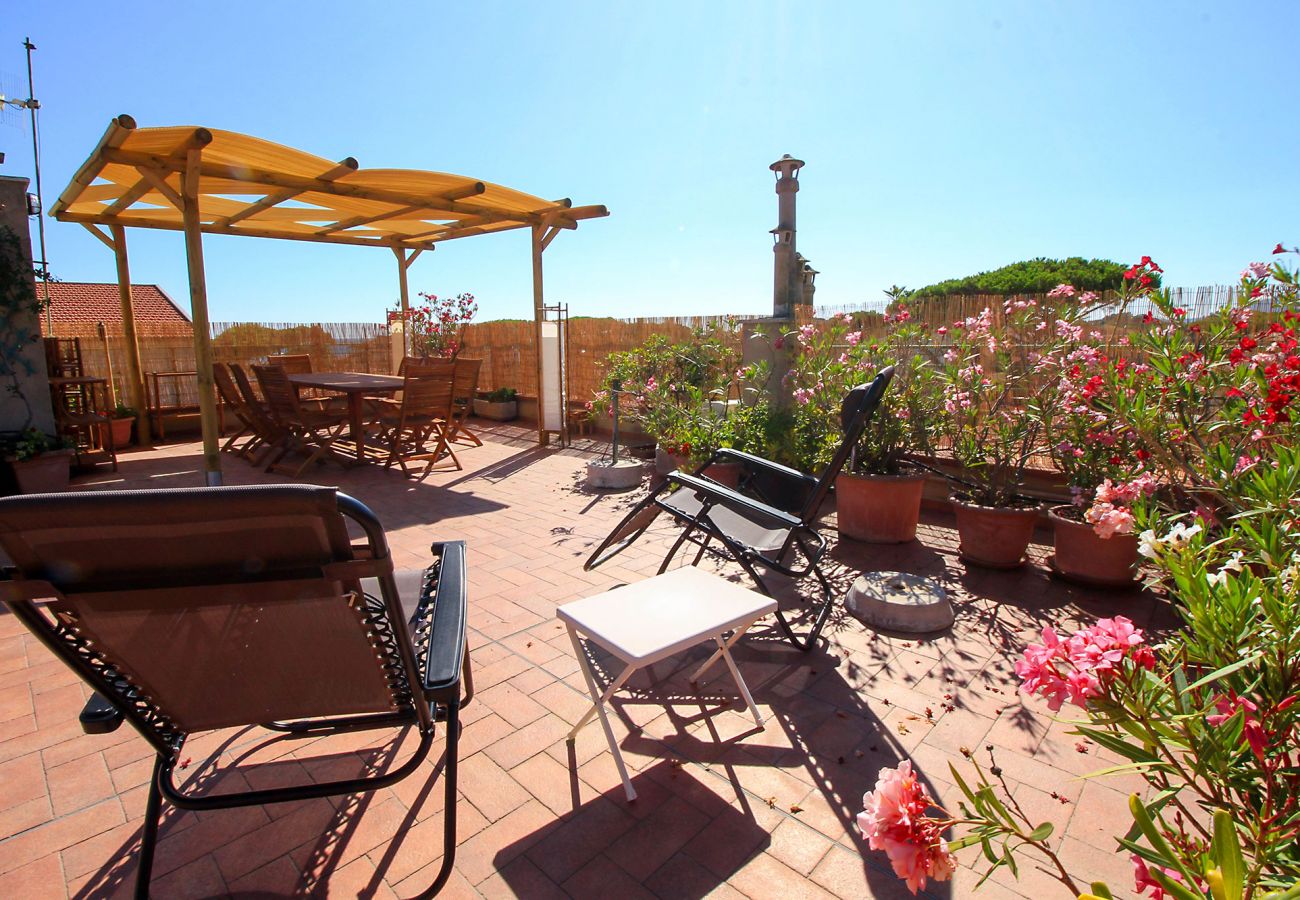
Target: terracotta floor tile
[(553, 819)]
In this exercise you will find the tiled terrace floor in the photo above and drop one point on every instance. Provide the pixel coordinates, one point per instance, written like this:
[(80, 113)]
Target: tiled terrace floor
[(725, 809)]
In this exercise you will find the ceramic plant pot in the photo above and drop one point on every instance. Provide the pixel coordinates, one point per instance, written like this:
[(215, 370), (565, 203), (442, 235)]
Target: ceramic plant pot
[(994, 537), (48, 473), (498, 412), (878, 509), (1083, 556)]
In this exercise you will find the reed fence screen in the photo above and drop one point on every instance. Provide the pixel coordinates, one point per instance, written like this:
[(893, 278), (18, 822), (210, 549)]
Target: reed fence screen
[(506, 346)]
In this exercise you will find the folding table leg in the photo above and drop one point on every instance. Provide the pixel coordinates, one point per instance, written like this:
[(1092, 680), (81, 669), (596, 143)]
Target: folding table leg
[(598, 709), (724, 652)]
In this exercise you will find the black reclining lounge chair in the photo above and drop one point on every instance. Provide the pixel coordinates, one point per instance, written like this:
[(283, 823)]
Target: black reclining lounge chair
[(209, 608), (770, 515)]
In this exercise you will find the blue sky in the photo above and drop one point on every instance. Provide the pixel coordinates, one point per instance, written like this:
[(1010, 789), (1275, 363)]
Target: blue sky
[(940, 138)]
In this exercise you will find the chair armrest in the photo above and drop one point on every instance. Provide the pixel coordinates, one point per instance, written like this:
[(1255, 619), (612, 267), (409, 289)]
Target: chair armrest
[(751, 460), (711, 490), (444, 590)]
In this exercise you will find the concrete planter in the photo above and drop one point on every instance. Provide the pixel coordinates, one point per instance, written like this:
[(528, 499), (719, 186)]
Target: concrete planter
[(499, 412), (621, 476)]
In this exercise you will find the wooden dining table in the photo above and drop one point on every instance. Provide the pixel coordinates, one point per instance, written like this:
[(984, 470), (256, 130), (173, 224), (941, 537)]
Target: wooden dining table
[(356, 386)]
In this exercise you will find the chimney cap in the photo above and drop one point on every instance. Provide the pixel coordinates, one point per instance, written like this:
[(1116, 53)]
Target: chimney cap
[(787, 162)]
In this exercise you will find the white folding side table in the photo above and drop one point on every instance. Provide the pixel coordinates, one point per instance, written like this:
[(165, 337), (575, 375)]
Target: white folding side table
[(651, 620)]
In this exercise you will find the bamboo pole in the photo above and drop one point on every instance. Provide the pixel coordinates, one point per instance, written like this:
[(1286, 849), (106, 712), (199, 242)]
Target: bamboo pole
[(108, 367), (134, 372), (199, 314)]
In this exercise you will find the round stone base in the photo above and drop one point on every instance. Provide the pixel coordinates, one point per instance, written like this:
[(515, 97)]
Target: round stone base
[(897, 601), (622, 476)]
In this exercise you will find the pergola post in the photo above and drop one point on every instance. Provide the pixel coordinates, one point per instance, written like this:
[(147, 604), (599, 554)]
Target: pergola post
[(538, 302), (404, 263), (199, 312), (134, 372)]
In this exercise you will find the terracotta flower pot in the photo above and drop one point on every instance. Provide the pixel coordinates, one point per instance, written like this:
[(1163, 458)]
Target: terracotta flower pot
[(1082, 556), (120, 430), (47, 473), (666, 462), (994, 537), (725, 473), (878, 509)]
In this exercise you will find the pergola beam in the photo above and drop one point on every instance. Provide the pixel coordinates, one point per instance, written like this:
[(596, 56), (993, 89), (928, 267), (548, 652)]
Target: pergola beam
[(316, 185), (344, 167), (134, 221)]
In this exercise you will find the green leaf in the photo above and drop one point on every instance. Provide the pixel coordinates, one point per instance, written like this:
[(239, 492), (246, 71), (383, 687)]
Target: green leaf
[(1042, 832), (1291, 893), (1226, 851), (961, 783), (1099, 889), (1225, 670), (988, 852), (961, 842), (1176, 888), (1156, 839)]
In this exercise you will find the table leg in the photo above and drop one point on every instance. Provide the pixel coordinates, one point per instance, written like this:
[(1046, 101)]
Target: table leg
[(358, 432), (598, 708), (724, 652)]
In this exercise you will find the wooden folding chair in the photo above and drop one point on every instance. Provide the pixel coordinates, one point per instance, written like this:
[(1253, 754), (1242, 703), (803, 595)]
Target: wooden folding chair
[(423, 417), (311, 431)]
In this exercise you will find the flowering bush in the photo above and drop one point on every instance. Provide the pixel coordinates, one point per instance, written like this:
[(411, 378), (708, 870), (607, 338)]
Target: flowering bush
[(693, 396), (992, 394), (437, 328), (1208, 717), (832, 359)]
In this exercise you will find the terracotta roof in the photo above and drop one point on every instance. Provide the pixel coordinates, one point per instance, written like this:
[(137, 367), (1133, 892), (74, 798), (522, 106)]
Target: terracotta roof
[(85, 303)]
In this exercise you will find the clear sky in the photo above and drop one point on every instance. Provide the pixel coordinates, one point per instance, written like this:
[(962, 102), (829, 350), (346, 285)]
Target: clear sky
[(940, 138)]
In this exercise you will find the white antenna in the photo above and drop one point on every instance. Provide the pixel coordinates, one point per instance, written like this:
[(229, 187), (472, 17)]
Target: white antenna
[(31, 104)]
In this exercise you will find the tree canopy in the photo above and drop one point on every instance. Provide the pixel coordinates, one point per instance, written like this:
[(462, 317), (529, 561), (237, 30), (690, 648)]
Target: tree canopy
[(1033, 276)]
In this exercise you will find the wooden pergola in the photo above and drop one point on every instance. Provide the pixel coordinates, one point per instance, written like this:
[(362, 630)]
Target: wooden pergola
[(200, 180)]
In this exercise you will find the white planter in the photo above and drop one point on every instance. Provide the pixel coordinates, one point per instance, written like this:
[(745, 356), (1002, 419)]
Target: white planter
[(500, 412)]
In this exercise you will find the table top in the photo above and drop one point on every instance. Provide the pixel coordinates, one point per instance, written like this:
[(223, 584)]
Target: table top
[(653, 619), (349, 382)]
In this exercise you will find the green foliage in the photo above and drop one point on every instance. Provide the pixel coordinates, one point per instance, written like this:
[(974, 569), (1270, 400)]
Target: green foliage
[(1032, 276), (502, 395), (31, 443)]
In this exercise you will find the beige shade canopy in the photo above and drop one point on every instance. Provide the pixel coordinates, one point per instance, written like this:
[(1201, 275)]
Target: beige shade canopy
[(258, 188), (205, 181)]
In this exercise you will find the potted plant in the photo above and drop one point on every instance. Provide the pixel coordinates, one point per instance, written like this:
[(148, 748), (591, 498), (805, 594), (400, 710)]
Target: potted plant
[(994, 427), (1099, 455), (436, 328), (41, 464), (878, 494), (119, 426), (499, 405)]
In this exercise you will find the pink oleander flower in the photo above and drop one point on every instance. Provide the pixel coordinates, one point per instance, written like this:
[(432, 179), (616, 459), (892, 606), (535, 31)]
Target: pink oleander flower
[(1074, 670), (802, 396), (1062, 290), (1256, 270), (853, 338), (893, 819), (1142, 879), (1252, 731), (941, 330), (1088, 297), (1108, 520)]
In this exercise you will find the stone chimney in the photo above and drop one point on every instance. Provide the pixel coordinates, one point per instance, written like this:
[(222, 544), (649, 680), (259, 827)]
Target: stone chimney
[(787, 287)]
